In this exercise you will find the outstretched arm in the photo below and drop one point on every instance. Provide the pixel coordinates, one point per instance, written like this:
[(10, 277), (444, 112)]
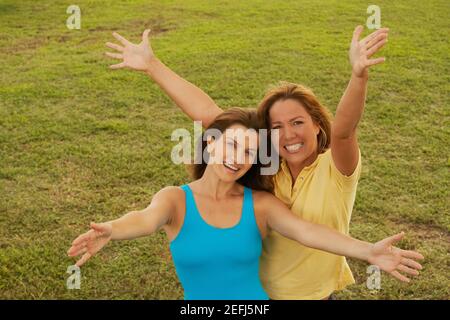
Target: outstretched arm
[(130, 226), (144, 222), (192, 100), (383, 253), (344, 143)]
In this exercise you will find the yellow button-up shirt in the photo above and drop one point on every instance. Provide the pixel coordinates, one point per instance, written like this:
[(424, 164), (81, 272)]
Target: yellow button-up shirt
[(320, 194)]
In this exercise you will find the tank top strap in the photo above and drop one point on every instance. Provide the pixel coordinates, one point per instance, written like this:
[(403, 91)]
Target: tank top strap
[(191, 208), (248, 213)]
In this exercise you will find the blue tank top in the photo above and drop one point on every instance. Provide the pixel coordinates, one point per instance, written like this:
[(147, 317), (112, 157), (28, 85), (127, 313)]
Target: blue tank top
[(218, 264)]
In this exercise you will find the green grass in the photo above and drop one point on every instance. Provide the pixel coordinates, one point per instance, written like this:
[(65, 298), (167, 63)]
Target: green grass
[(80, 142)]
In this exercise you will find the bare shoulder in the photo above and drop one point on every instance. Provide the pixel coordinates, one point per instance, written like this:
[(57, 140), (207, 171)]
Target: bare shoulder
[(170, 195), (262, 198), (171, 198), (169, 192), (265, 203)]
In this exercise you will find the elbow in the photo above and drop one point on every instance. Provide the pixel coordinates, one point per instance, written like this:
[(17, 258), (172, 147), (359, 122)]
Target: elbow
[(343, 133)]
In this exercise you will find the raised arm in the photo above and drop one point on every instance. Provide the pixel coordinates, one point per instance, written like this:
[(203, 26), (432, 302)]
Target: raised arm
[(316, 236), (140, 57), (130, 226), (344, 143)]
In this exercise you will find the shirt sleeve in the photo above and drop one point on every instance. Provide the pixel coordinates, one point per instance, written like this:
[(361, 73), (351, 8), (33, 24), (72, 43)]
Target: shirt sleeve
[(346, 183)]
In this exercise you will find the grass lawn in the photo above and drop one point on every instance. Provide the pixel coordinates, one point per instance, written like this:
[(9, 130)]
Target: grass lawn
[(81, 143)]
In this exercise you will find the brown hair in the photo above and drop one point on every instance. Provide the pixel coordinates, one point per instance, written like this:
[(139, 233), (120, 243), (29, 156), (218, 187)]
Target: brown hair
[(320, 115), (249, 119)]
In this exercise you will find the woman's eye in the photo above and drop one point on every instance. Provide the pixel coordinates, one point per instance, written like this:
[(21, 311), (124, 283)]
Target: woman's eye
[(296, 123), (276, 127)]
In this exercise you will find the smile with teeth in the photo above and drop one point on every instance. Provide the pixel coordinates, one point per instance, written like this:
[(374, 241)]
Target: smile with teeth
[(293, 147), (230, 166)]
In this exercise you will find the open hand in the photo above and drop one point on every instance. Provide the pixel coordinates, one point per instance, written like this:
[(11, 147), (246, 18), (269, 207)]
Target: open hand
[(89, 243), (392, 260), (133, 56), (361, 51)]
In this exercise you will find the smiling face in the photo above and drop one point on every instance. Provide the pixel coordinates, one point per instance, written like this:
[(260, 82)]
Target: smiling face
[(233, 153), (297, 131)]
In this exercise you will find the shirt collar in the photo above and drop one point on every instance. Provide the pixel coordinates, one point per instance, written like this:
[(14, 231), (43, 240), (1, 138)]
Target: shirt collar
[(285, 167)]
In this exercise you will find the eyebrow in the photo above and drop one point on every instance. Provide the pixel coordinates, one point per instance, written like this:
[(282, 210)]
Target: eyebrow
[(291, 119)]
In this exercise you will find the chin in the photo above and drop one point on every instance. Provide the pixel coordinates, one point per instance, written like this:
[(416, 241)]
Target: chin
[(226, 177)]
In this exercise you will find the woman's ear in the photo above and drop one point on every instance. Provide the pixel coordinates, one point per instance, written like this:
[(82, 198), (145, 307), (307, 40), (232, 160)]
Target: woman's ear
[(210, 144), (317, 129)]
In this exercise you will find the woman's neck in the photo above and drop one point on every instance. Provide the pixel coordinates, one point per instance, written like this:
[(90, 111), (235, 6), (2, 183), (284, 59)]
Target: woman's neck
[(210, 184), (296, 167)]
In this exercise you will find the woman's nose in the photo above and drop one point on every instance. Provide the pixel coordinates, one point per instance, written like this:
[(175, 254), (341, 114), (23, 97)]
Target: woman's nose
[(288, 133)]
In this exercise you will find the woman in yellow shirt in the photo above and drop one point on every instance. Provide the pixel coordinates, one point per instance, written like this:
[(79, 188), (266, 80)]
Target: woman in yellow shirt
[(321, 161)]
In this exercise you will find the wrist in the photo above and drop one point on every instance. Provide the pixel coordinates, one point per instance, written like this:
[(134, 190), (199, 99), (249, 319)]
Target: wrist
[(151, 65), (363, 76), (367, 252), (113, 235)]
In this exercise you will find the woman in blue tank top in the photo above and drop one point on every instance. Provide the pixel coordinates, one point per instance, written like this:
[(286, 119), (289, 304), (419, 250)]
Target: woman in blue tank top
[(218, 263), (216, 224)]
